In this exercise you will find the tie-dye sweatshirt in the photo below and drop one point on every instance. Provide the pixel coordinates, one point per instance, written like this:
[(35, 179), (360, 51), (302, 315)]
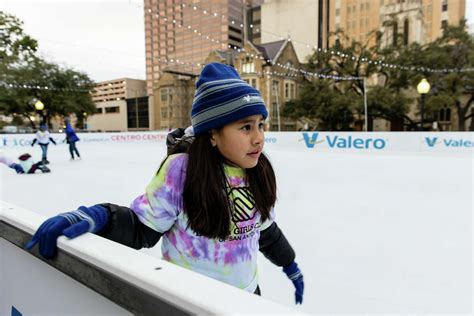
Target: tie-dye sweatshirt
[(233, 260)]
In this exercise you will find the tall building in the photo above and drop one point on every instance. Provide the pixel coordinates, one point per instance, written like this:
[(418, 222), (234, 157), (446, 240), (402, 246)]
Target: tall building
[(306, 22), (179, 35), (419, 21)]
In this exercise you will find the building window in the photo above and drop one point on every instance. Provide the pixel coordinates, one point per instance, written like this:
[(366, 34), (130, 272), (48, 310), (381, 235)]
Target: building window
[(164, 112), (252, 81), (275, 87), (338, 11), (137, 113), (248, 66), (274, 109), (98, 111), (445, 6), (406, 31), (112, 109), (444, 114), (166, 95), (444, 24), (289, 90)]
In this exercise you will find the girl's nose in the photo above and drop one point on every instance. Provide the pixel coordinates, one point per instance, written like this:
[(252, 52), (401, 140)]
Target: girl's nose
[(258, 136)]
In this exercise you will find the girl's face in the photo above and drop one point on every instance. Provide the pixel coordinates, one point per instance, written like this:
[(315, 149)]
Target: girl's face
[(241, 142)]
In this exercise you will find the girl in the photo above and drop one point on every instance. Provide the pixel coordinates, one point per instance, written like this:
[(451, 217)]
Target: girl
[(43, 137), (213, 205)]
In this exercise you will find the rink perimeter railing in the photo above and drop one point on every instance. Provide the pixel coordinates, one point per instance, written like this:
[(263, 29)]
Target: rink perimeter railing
[(373, 142), (94, 276)]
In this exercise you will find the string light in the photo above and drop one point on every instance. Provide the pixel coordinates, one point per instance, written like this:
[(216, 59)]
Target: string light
[(37, 87), (298, 71), (380, 63)]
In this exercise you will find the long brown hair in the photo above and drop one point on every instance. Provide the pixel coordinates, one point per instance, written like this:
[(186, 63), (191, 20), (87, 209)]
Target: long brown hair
[(205, 201)]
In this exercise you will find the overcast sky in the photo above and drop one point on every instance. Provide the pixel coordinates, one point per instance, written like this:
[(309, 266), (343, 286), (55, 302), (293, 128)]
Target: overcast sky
[(104, 39)]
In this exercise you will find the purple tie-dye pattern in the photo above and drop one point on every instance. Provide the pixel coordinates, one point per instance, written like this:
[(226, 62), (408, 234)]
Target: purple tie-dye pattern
[(166, 255), (233, 261), (187, 241), (217, 249), (237, 251), (172, 239), (235, 181), (202, 245)]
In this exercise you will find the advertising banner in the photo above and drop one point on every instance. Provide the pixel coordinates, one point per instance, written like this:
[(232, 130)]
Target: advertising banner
[(375, 142)]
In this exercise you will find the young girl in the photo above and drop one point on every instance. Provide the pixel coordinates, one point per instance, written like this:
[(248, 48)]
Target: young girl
[(43, 138), (213, 205)]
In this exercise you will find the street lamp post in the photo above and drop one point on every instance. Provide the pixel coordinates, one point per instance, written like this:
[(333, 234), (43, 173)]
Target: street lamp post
[(84, 121), (423, 88)]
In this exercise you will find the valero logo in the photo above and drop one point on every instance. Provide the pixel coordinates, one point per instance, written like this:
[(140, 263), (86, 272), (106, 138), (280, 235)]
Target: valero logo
[(311, 141), (344, 142), (432, 141)]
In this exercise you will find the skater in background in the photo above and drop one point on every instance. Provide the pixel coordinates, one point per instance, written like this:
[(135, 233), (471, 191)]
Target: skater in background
[(25, 164), (212, 205), (43, 138), (71, 139)]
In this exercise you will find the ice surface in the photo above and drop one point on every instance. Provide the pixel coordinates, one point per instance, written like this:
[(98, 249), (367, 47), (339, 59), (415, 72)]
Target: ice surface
[(373, 233)]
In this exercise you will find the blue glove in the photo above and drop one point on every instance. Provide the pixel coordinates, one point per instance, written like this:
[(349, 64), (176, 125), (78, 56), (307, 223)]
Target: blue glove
[(71, 224), (295, 275), (18, 168)]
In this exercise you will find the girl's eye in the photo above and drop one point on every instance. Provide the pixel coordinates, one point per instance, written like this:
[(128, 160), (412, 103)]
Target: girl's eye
[(261, 125), (246, 127)]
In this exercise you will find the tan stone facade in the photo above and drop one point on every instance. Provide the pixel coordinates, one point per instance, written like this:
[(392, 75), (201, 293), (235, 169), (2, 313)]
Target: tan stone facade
[(174, 91), (173, 97), (420, 20)]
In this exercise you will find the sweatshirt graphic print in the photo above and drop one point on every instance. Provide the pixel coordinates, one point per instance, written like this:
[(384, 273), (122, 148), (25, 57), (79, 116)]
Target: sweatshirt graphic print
[(232, 260)]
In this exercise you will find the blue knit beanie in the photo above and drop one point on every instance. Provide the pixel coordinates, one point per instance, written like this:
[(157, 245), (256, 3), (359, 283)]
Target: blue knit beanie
[(221, 98)]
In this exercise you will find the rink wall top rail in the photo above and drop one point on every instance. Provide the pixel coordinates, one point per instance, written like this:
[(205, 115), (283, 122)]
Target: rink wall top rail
[(133, 280), (375, 142)]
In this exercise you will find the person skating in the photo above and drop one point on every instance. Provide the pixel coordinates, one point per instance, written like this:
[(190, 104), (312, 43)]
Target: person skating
[(213, 205), (72, 139), (43, 138)]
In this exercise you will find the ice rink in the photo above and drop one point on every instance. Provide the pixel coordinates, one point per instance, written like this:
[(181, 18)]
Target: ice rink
[(373, 233)]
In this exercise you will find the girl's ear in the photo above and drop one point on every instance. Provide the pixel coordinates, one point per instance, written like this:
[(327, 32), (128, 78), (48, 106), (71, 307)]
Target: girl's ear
[(212, 137)]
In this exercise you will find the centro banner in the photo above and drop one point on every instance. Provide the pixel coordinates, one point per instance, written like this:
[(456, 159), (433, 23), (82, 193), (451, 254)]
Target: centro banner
[(19, 140)]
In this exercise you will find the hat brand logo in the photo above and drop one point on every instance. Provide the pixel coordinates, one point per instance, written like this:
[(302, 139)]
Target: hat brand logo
[(249, 98)]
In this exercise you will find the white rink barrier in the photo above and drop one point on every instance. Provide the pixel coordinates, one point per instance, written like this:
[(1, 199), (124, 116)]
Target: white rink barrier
[(95, 276), (410, 142)]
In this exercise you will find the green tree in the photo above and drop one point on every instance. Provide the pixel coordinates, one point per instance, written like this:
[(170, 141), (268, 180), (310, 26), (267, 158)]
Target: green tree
[(352, 60), (25, 77), (320, 101), (453, 51), (15, 46)]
